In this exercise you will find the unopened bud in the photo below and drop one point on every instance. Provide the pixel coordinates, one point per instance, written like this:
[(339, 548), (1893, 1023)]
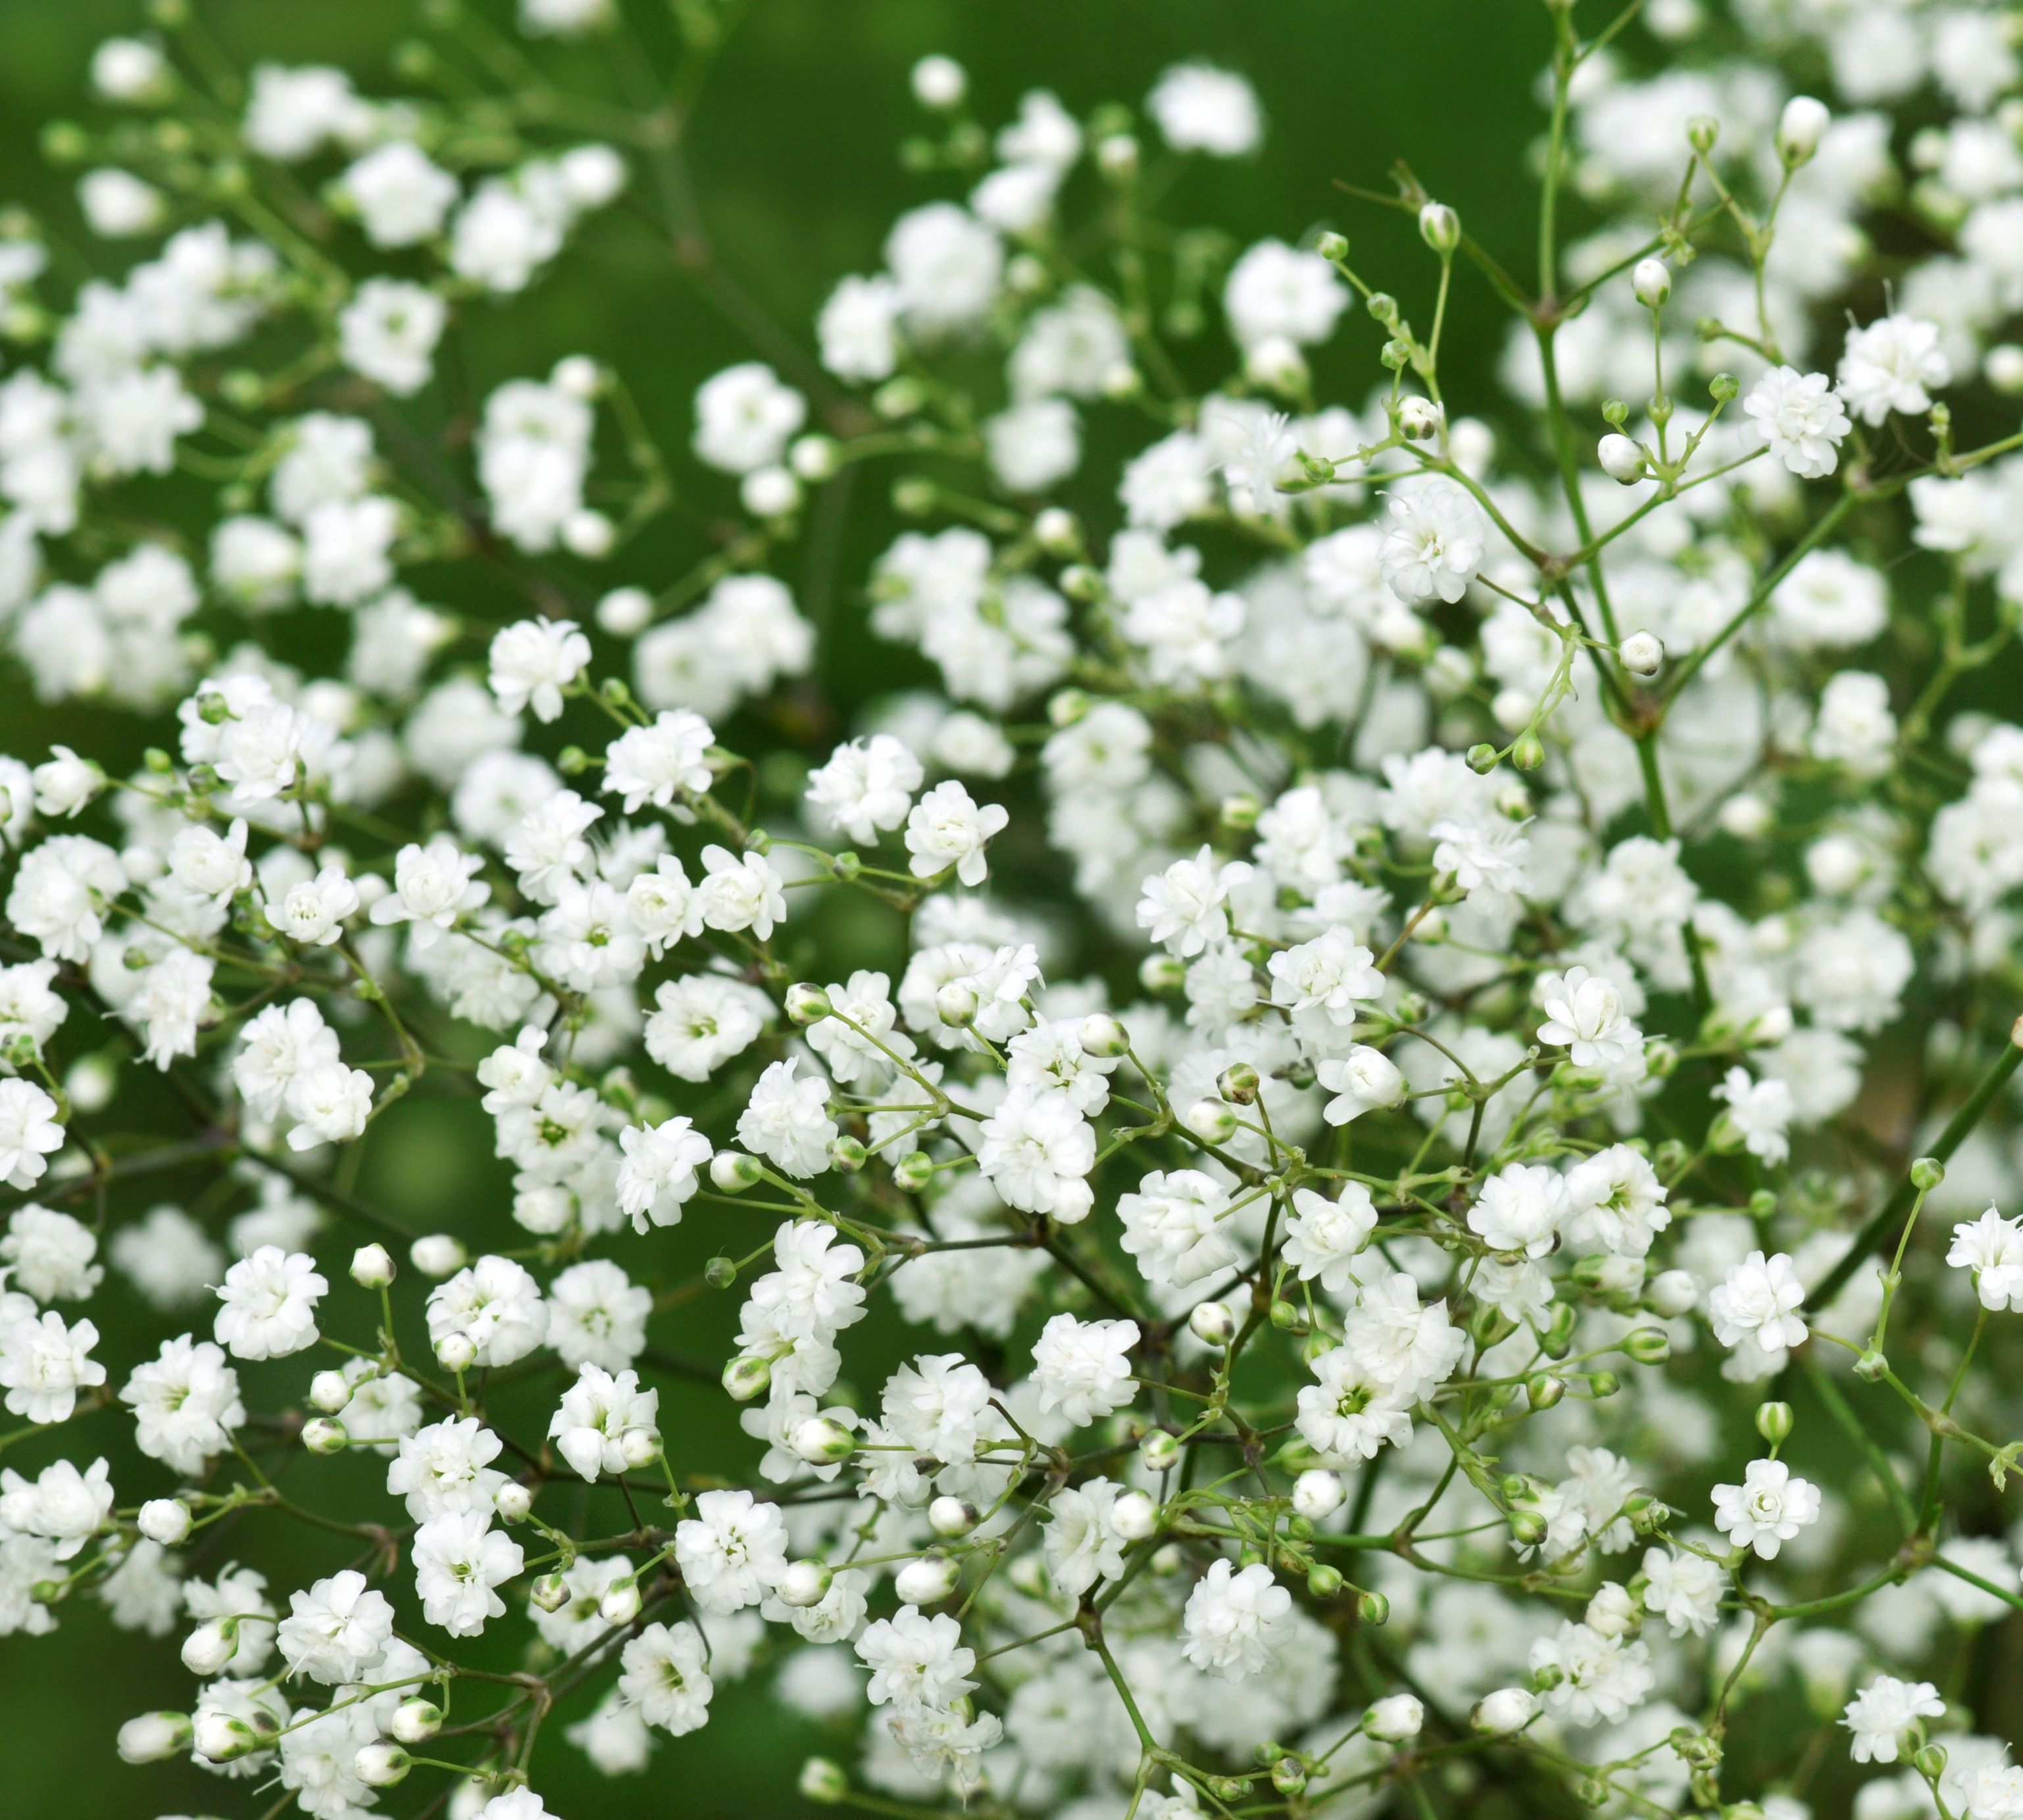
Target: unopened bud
[(1159, 1450), (372, 1267), (165, 1520), (1238, 1084), (223, 1737), (1396, 1719), (1800, 128), (210, 1646), (731, 1172), (805, 1582), (456, 1351), (1507, 1710), (153, 1737), (320, 1434), (1212, 1121), (1317, 1494), (1373, 1608), (807, 1004), (621, 1604), (848, 1154), (381, 1765), (1773, 1423), (513, 1502), (1103, 1037), (927, 1581), (1652, 280), (822, 1440), (329, 1392), (823, 1782), (913, 1171), (1440, 227), (1927, 1172), (550, 1592), (1620, 459), (1324, 1580), (1647, 1346), (416, 1720), (1288, 1776), (955, 1005), (746, 1376), (952, 1517), (640, 1446), (1643, 653), (437, 1255), (1545, 1389), (1134, 1516)]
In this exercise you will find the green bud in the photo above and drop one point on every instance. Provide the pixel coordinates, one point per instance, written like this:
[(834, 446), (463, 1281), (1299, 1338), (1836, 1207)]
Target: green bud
[(1647, 1346), (1773, 1423), (1481, 758), (1323, 1580), (848, 1154), (1927, 1172), (1332, 247), (720, 1272), (1373, 1608), (1544, 1390), (913, 1171)]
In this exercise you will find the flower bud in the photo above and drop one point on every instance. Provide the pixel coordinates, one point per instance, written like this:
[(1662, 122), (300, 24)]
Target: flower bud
[(1800, 128), (1212, 1322), (1930, 1761), (1418, 420), (1289, 1777), (1647, 1346), (952, 1517), (416, 1720), (1773, 1423), (1396, 1719), (1324, 1580), (550, 1592), (1652, 280), (1054, 530), (913, 1171), (1159, 1452), (1926, 1174), (1134, 1516), (1508, 1710), (381, 1765), (1440, 227), (321, 1435), (456, 1353), (210, 1646), (1673, 1293), (1238, 1084), (372, 1267), (823, 1782), (1528, 1529), (621, 1604), (2002, 368), (955, 1005), (165, 1520), (1545, 1389), (1317, 1494), (153, 1737), (221, 1738), (822, 1440), (329, 1392), (1211, 1121), (1103, 1037), (1612, 1613), (1372, 1608), (1162, 974), (731, 1172), (927, 1581), (807, 1004), (746, 1376), (805, 1582), (1620, 459), (1703, 131), (1642, 653), (436, 1254), (640, 1446)]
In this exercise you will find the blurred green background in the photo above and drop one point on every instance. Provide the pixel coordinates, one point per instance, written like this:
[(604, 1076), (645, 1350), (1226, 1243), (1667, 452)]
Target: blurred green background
[(793, 150)]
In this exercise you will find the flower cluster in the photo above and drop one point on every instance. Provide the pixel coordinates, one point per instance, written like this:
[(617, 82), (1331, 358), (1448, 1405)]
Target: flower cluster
[(1403, 992)]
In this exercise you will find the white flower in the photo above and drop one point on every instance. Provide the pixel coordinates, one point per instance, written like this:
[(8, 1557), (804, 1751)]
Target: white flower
[(866, 787), (1894, 364), (1762, 1112), (186, 1405), (1682, 1589), (1199, 108), (1182, 908), (45, 1362), (1584, 1011), (1361, 1081), (1799, 419), (1992, 1247), (49, 1255), (1081, 1367), (741, 893), (1173, 1225), (388, 333), (269, 1305), (787, 1120), (1233, 1622), (432, 886), (1037, 1151), (336, 1630), (1884, 1711), (459, 1558), (1277, 292), (1520, 1209), (916, 1660), (1324, 1237), (589, 1429), (400, 196), (1767, 1509), (62, 1505), (732, 1551), (1600, 1677), (28, 1131), (947, 828), (858, 329), (533, 660), (446, 1468), (495, 1305), (665, 1675), (659, 1172), (743, 417), (1435, 545), (1759, 1300), (1350, 1413)]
